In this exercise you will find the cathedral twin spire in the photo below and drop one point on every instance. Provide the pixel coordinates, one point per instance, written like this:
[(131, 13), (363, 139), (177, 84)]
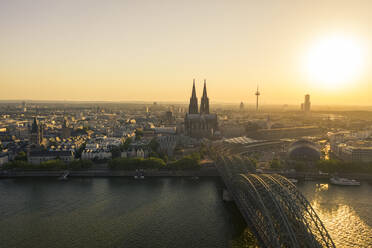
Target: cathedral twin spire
[(193, 107), (204, 104)]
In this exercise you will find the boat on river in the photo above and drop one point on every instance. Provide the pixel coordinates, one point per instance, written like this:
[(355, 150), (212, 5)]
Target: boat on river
[(344, 181), (139, 174), (64, 177)]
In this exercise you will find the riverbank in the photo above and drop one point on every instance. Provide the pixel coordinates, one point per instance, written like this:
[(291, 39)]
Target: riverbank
[(210, 172), (205, 172), (306, 176)]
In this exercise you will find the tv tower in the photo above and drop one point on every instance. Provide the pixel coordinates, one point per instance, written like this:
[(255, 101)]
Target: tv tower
[(257, 95)]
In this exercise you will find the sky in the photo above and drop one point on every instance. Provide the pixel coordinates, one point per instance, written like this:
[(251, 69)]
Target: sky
[(146, 50)]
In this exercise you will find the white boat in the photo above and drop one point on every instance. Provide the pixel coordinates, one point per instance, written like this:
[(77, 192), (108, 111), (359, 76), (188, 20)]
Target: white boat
[(323, 173), (344, 181), (139, 174)]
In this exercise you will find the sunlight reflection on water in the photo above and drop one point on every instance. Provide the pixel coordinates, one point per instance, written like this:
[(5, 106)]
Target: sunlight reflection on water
[(345, 226), (345, 212), (321, 187)]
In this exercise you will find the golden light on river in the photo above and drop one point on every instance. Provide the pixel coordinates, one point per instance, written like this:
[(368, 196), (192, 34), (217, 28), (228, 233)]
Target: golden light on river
[(344, 225)]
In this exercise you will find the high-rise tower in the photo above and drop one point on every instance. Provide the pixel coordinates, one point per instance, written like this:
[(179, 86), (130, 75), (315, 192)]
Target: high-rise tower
[(204, 104), (257, 95), (307, 104), (193, 107)]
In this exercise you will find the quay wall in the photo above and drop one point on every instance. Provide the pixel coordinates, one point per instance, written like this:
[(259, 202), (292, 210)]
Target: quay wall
[(210, 172), (108, 173)]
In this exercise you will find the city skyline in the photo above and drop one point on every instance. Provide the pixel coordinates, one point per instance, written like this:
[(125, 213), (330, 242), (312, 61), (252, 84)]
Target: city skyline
[(212, 123), (147, 51)]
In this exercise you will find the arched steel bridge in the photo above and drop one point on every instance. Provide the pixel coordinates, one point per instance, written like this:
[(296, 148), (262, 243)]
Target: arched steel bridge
[(274, 210)]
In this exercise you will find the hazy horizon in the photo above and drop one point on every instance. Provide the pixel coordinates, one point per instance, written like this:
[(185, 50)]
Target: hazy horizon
[(151, 51)]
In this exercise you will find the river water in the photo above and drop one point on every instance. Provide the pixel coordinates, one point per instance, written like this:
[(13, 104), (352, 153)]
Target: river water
[(345, 211), (168, 212)]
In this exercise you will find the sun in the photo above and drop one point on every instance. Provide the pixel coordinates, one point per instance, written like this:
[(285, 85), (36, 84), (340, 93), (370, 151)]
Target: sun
[(334, 62)]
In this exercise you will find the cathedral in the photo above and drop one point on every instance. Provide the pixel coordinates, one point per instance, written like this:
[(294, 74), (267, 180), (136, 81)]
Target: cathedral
[(200, 123)]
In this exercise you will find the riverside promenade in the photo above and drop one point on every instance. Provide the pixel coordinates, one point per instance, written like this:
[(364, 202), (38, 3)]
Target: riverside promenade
[(209, 172), (205, 172)]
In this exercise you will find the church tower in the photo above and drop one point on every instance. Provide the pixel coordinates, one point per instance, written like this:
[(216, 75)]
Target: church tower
[(66, 130), (204, 105), (193, 107), (36, 136)]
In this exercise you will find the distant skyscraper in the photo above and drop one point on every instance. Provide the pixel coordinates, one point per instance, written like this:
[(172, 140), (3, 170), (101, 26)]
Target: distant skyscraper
[(169, 116), (257, 95), (307, 104), (241, 106)]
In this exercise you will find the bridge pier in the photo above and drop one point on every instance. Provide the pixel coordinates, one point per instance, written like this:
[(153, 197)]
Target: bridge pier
[(226, 196)]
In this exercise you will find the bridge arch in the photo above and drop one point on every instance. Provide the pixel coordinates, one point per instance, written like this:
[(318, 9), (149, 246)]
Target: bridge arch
[(273, 208)]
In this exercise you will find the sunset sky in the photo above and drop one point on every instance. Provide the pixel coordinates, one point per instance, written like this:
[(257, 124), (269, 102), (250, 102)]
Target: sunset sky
[(151, 50)]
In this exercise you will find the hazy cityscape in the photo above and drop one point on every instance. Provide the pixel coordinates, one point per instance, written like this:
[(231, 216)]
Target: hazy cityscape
[(105, 144)]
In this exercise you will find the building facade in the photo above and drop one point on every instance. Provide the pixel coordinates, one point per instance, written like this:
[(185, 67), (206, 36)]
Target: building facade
[(99, 154), (4, 158), (37, 157)]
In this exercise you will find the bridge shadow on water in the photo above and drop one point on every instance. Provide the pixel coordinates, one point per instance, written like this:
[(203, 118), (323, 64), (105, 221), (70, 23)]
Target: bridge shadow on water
[(242, 236)]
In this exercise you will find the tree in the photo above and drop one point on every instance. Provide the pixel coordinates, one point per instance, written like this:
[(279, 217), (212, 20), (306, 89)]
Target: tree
[(80, 164), (17, 164), (21, 156), (153, 163), (139, 134), (196, 156), (80, 150), (136, 163), (332, 166), (154, 145), (126, 144), (185, 163), (115, 151), (53, 164), (275, 164), (300, 165), (253, 161)]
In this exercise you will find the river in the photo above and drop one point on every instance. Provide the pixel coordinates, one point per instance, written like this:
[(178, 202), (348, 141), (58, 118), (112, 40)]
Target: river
[(167, 212), (345, 211)]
